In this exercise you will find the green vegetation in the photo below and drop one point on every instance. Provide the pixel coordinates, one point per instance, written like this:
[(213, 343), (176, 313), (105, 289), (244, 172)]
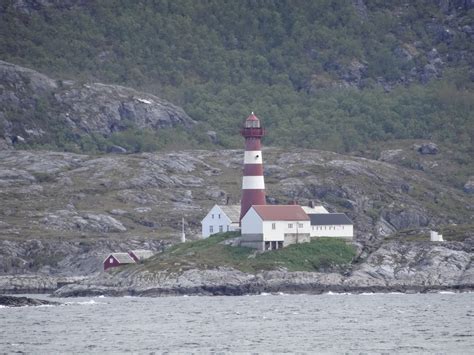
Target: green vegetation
[(285, 60), (319, 254), (451, 233)]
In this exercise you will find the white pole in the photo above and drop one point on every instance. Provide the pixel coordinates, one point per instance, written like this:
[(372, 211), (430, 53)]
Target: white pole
[(183, 236)]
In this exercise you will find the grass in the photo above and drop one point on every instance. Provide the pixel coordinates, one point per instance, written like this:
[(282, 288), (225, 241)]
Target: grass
[(210, 253), (451, 233)]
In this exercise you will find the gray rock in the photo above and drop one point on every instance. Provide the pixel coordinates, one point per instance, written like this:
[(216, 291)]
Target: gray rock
[(433, 54), (212, 136), (468, 29), (12, 301), (116, 149), (428, 148), (4, 144), (429, 72), (469, 186), (408, 218), (15, 177), (84, 108), (390, 155), (70, 220)]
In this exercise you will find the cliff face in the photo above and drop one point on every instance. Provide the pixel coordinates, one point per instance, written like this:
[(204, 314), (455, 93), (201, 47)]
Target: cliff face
[(34, 107)]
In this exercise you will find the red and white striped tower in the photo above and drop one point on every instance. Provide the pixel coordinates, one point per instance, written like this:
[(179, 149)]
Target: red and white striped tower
[(253, 185)]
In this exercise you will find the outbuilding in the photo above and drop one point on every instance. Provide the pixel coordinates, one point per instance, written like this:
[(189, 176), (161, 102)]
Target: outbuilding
[(140, 254), (221, 218), (117, 259), (336, 225), (269, 227)]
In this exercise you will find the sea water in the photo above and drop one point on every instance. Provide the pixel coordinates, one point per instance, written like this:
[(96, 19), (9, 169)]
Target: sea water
[(328, 323)]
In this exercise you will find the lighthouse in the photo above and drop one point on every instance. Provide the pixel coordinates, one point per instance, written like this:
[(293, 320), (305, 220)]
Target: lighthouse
[(253, 185)]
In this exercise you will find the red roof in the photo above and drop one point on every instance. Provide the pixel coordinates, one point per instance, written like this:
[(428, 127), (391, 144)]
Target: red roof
[(281, 212), (252, 117)]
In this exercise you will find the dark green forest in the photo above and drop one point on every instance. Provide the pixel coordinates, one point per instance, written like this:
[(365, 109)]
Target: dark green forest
[(319, 73)]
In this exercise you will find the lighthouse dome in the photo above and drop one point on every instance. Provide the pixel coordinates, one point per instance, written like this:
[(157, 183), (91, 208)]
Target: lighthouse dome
[(252, 121)]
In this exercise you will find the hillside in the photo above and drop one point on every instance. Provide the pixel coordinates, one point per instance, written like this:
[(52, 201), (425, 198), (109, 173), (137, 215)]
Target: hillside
[(321, 74), (89, 204)]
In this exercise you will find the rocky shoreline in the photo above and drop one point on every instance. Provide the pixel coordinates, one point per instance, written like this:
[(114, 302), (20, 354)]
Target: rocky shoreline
[(395, 266), (12, 301)]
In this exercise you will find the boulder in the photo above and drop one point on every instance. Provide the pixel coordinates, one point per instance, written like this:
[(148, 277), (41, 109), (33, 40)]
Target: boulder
[(12, 301), (212, 136), (469, 186), (428, 148), (429, 72), (116, 149)]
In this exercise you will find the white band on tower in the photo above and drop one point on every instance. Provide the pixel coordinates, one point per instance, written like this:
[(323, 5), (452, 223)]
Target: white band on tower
[(253, 183), (253, 157)]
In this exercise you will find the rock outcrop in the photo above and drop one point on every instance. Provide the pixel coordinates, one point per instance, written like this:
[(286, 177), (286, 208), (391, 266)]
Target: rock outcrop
[(395, 266), (30, 101), (12, 301), (66, 195)]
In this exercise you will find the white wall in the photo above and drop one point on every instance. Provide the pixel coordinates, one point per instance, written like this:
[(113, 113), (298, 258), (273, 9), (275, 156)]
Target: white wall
[(282, 228), (251, 223), (216, 218), (346, 231)]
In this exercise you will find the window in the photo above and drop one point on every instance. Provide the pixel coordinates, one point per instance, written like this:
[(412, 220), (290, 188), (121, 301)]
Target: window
[(111, 260), (290, 225), (211, 229), (221, 229), (213, 216), (300, 225), (219, 216), (273, 226)]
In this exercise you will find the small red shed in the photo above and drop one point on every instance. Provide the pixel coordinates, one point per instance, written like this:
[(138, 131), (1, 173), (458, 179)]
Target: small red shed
[(117, 259)]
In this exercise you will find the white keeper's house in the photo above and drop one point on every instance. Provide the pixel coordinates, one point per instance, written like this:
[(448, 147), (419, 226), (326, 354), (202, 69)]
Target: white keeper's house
[(336, 225), (269, 227), (220, 219)]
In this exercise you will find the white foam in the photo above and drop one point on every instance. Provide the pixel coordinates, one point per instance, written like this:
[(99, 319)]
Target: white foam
[(90, 302)]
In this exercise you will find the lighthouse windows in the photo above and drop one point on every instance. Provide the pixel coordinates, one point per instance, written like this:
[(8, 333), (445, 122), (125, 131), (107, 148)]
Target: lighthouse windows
[(290, 225), (273, 226)]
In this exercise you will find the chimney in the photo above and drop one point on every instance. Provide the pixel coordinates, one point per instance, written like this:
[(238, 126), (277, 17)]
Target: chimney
[(311, 203)]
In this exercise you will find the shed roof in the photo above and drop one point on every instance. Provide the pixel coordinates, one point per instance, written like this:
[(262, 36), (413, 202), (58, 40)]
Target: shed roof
[(142, 253), (326, 219), (122, 258), (315, 209), (281, 212), (231, 211)]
